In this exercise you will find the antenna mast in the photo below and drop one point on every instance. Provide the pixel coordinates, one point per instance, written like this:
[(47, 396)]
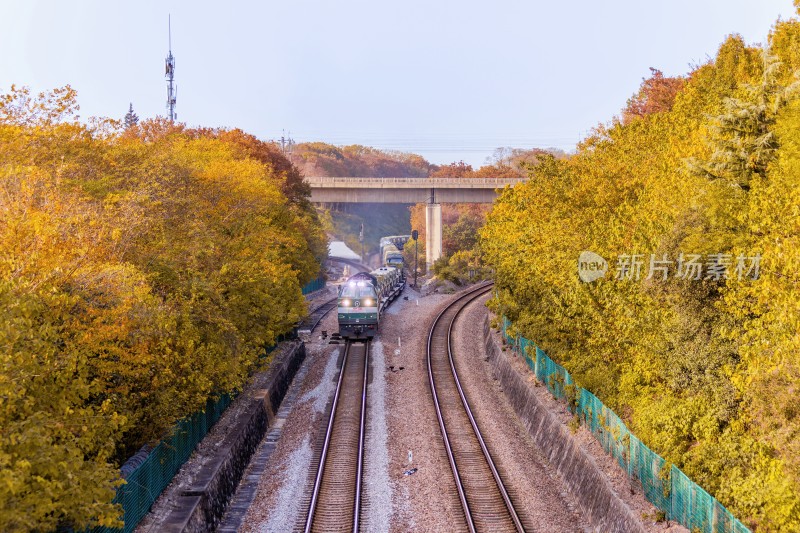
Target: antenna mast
[(172, 93)]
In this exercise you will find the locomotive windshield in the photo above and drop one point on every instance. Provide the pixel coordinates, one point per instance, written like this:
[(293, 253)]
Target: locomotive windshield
[(357, 290)]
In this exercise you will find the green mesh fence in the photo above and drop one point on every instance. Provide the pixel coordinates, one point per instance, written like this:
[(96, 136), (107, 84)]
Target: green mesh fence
[(314, 285), (145, 483), (650, 470), (665, 486), (607, 427)]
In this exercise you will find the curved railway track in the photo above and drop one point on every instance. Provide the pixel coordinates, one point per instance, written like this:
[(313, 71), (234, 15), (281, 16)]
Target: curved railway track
[(336, 498), (313, 319), (484, 499)]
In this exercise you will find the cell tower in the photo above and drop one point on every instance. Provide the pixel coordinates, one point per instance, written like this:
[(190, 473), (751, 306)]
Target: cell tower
[(172, 91)]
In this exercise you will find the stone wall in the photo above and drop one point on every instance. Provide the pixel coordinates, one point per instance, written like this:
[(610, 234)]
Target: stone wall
[(583, 477), (200, 507)]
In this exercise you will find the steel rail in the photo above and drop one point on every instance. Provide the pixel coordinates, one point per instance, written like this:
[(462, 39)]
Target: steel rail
[(361, 440), (500, 486), (315, 496), (328, 433), (469, 296), (326, 308), (448, 448)]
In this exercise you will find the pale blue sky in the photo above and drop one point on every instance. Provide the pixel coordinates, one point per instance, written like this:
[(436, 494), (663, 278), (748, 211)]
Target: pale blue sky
[(447, 79)]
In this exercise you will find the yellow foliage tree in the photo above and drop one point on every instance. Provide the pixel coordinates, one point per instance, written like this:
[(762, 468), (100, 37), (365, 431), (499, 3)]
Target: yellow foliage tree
[(703, 371), (142, 271)]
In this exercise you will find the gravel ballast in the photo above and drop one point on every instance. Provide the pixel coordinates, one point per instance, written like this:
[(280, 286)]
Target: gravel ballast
[(377, 505), (277, 504)]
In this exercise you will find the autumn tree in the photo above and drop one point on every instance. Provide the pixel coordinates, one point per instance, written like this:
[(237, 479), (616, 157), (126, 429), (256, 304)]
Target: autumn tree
[(141, 273), (703, 371), (455, 170), (656, 95), (21, 108)]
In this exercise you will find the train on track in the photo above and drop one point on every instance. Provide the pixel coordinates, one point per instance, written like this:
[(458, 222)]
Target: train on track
[(364, 296), (392, 250)]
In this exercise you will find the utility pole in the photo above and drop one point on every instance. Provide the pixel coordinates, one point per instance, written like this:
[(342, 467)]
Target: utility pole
[(287, 143), (361, 240), (172, 92)]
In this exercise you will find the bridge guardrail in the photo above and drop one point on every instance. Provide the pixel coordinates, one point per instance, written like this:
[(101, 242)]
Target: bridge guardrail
[(428, 182)]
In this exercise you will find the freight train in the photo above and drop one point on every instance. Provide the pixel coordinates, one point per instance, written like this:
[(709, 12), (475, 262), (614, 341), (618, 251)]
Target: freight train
[(364, 296)]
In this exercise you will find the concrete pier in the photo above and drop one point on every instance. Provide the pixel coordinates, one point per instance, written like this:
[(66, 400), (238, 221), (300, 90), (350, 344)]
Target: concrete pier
[(433, 234)]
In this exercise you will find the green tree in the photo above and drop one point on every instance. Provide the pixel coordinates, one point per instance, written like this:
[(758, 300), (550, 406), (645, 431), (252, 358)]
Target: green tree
[(131, 119)]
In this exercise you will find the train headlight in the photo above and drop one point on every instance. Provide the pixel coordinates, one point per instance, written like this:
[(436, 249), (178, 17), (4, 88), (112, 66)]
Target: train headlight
[(345, 303), (368, 302)]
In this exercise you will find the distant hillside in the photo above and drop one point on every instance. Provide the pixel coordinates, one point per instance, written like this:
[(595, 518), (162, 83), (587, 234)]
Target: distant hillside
[(504, 163), (321, 159)]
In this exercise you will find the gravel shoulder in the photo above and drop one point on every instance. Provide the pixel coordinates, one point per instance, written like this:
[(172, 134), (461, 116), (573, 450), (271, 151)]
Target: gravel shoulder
[(277, 505), (377, 504)]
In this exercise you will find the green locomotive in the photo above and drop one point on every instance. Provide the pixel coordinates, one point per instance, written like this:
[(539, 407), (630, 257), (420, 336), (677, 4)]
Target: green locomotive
[(363, 298)]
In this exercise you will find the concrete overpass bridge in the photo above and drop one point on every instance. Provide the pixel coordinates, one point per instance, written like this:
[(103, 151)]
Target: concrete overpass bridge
[(431, 191)]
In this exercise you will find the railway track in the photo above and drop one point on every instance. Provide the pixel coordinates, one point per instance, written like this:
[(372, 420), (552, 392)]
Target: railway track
[(335, 503), (484, 499), (310, 323)]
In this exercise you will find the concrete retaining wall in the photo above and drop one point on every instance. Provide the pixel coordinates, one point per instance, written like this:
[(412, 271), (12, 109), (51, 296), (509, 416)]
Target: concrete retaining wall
[(200, 507), (596, 497)]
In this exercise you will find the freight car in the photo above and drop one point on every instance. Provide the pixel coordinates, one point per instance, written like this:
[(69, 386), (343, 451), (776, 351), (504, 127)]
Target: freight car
[(392, 257), (363, 298), (391, 250)]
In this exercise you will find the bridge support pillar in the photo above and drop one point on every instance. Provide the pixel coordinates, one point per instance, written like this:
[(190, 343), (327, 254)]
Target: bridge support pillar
[(433, 233)]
